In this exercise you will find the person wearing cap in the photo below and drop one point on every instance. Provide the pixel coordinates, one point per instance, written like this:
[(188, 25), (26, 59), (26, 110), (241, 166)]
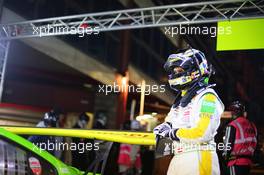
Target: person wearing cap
[(240, 141)]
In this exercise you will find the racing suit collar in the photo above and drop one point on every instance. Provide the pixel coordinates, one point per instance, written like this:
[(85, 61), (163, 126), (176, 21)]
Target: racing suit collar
[(183, 101)]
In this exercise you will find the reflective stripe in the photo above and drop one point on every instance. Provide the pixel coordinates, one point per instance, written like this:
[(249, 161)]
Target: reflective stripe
[(242, 137), (233, 170), (227, 139), (245, 142), (240, 130), (241, 151), (249, 139), (125, 152), (251, 149)]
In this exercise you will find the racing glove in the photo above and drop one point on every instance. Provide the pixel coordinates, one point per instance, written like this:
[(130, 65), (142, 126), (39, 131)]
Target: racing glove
[(165, 130)]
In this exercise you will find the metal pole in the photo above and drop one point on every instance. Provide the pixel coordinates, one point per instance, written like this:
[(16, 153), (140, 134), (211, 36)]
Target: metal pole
[(3, 69), (4, 49), (142, 97), (132, 109)]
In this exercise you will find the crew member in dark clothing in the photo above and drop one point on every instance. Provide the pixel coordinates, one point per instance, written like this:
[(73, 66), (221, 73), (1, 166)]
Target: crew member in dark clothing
[(82, 159), (44, 142), (100, 120)]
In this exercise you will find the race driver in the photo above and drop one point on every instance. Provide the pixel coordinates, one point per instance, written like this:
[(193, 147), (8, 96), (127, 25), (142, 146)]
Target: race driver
[(194, 117)]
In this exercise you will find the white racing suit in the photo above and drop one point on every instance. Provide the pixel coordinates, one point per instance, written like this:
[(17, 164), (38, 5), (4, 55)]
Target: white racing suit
[(196, 125)]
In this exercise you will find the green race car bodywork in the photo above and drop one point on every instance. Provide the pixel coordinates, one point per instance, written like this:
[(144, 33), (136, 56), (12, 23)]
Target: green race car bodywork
[(61, 168), (38, 160)]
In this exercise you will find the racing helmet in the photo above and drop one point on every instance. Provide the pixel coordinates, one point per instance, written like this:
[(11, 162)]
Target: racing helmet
[(193, 66), (50, 119), (237, 109)]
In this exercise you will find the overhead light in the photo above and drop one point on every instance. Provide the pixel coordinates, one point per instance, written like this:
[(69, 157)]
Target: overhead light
[(88, 85), (124, 81)]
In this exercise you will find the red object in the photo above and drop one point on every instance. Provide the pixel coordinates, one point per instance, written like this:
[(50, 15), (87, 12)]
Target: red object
[(35, 166), (84, 25), (245, 141), (124, 157), (122, 82), (24, 107)]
